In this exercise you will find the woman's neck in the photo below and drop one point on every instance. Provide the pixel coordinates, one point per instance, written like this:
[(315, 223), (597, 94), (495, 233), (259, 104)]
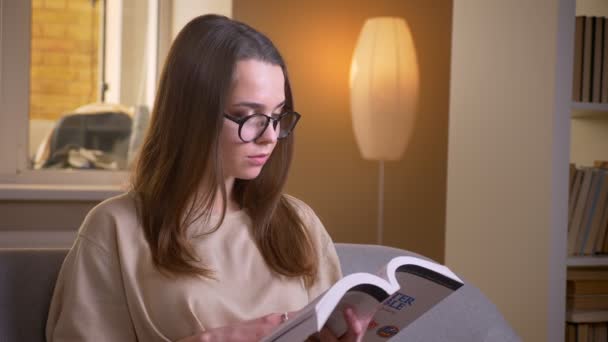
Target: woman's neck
[(231, 205), (218, 203)]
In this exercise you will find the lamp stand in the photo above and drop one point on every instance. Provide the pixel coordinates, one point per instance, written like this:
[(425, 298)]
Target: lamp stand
[(380, 228)]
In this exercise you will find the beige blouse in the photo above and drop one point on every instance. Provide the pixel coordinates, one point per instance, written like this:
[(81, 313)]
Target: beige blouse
[(109, 290)]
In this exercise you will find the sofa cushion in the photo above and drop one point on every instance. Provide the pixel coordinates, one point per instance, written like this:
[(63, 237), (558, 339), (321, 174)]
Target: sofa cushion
[(27, 280), (465, 316)]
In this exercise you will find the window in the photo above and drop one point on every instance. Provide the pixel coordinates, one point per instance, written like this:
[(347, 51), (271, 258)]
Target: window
[(77, 80), (58, 60)]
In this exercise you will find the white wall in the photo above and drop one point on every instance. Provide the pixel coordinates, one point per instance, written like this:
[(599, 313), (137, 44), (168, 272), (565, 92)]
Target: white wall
[(131, 33), (186, 10), (508, 157), (113, 55), (175, 14), (134, 55), (592, 8), (589, 140)]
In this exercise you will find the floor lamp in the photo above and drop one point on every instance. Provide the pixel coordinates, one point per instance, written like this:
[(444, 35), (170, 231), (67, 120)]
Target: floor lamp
[(383, 94)]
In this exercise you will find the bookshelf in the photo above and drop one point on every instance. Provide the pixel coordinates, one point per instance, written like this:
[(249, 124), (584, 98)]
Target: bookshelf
[(588, 142), (516, 130)]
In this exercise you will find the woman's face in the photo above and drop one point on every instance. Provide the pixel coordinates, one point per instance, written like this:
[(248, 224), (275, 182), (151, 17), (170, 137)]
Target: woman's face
[(257, 88)]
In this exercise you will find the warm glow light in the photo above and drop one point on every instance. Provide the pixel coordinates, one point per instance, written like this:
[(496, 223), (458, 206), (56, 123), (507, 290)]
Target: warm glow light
[(384, 88)]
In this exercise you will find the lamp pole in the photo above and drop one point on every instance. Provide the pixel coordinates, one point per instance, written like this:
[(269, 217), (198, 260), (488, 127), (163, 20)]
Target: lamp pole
[(380, 229)]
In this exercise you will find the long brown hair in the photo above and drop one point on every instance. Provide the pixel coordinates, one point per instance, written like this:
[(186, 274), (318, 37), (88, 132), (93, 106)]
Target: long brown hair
[(180, 154)]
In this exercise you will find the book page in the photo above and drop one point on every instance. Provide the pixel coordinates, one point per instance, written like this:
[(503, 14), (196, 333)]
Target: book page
[(365, 299), (363, 291), (417, 295), (383, 273)]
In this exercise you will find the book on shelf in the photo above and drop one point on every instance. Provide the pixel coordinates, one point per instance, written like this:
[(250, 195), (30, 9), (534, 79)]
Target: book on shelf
[(599, 332), (592, 213), (576, 222), (586, 332), (401, 292), (578, 58), (598, 40), (574, 194), (587, 302), (588, 211), (603, 229), (601, 245), (587, 273), (604, 97), (601, 164), (570, 332), (590, 63), (572, 173), (587, 60), (582, 332), (597, 219), (587, 287), (587, 294)]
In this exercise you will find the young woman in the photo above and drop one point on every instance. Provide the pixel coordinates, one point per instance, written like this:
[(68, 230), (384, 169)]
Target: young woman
[(205, 247)]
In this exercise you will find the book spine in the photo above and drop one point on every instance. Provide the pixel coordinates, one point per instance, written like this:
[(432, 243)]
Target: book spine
[(574, 194), (598, 40), (604, 97), (578, 59), (596, 186), (577, 219), (587, 60)]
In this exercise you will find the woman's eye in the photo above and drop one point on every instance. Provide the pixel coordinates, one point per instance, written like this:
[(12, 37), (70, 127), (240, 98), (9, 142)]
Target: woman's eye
[(241, 115)]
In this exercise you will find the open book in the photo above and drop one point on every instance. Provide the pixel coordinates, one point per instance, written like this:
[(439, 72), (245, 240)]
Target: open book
[(404, 289)]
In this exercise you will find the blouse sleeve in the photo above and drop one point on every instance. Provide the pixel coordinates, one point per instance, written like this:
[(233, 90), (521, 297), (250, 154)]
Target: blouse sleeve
[(88, 302)]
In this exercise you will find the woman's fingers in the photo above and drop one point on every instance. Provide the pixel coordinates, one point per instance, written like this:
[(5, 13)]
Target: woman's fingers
[(252, 330), (354, 329), (354, 323), (356, 326), (264, 325), (327, 336)]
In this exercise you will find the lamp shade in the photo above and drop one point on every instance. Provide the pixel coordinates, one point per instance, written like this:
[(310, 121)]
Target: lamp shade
[(384, 85)]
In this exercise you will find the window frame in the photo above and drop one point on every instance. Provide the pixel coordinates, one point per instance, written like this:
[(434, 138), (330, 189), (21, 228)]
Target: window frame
[(17, 180)]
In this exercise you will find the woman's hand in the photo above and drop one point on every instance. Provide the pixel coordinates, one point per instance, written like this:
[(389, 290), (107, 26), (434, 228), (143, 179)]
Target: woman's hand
[(246, 331), (356, 328)]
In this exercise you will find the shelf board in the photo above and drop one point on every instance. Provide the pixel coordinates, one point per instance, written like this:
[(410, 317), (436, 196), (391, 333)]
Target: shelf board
[(587, 316), (587, 261), (589, 110)]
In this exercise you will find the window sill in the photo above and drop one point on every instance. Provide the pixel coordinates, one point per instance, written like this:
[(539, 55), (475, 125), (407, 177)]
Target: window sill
[(37, 239), (45, 192)]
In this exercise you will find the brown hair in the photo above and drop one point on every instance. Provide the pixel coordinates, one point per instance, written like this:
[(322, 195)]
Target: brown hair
[(181, 153)]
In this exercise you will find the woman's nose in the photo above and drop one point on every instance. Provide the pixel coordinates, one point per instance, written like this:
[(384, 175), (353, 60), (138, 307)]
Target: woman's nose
[(269, 135)]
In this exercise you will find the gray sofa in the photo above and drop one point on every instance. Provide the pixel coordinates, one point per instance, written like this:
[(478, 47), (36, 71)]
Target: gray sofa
[(27, 277)]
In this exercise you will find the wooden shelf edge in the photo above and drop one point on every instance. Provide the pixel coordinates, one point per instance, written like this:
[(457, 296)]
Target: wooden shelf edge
[(587, 316), (589, 110), (587, 261)]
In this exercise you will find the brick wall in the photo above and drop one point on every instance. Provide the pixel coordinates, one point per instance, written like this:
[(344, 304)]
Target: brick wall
[(64, 60)]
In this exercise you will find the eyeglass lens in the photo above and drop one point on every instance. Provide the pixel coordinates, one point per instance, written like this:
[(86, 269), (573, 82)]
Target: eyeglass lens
[(255, 125)]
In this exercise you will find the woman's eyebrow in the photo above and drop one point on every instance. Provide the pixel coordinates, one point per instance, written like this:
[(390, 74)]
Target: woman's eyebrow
[(255, 105)]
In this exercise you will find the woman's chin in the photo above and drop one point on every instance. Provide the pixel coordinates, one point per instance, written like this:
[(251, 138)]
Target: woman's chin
[(250, 174)]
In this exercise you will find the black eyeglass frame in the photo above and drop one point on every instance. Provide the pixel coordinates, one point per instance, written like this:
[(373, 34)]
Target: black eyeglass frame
[(275, 121)]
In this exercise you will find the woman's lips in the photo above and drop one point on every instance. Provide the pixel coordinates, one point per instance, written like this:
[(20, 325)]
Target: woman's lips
[(258, 160)]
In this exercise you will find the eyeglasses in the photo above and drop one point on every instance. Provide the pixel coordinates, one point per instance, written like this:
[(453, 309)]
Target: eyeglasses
[(253, 126)]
